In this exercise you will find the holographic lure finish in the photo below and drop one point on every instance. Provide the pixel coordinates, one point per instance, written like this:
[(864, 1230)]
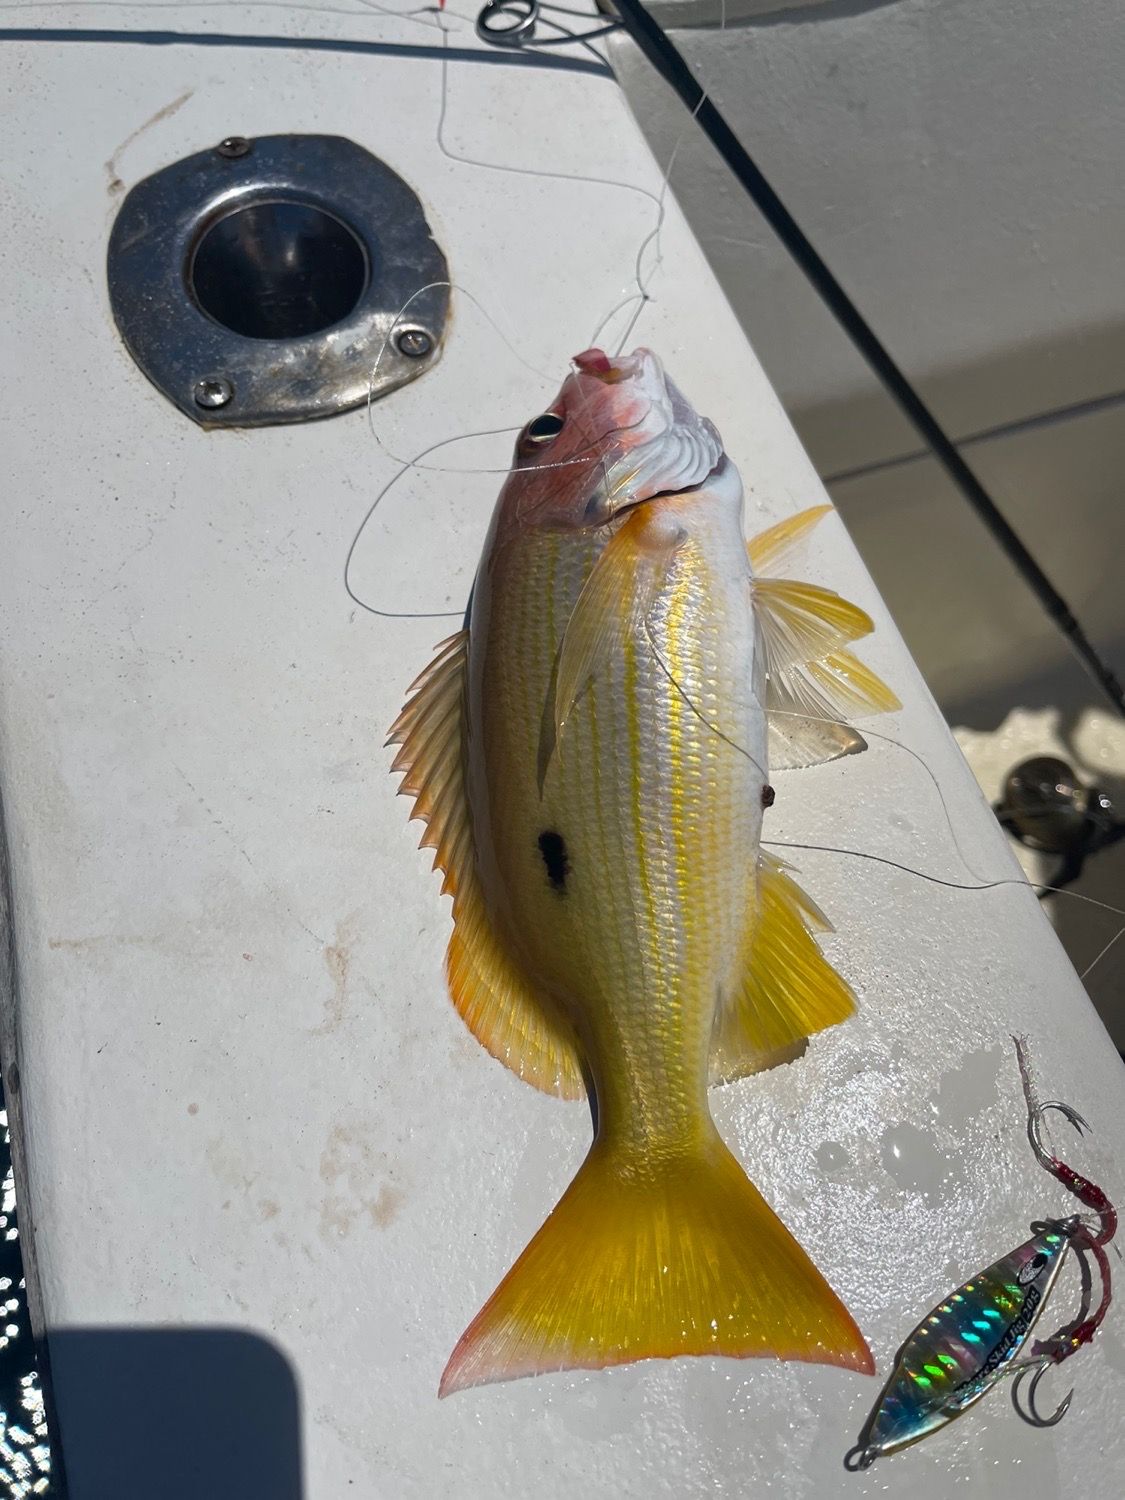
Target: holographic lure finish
[(966, 1344)]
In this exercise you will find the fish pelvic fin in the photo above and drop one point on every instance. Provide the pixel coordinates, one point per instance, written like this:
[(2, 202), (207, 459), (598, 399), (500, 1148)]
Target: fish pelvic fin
[(788, 989), (500, 1006), (653, 1259), (815, 685)]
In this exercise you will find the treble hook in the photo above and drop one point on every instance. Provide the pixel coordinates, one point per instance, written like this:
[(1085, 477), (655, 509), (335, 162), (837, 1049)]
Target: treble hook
[(1034, 1129), (1083, 1189), (1032, 1415)]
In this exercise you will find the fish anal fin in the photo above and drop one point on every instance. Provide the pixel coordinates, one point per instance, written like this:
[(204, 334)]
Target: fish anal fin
[(731, 1059), (496, 1001), (788, 989), (651, 1259)]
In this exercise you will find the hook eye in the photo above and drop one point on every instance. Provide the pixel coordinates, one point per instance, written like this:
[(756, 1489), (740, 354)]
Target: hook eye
[(859, 1458)]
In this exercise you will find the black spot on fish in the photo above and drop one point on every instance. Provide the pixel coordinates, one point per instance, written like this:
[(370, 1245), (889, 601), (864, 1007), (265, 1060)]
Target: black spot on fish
[(552, 846), (768, 795)]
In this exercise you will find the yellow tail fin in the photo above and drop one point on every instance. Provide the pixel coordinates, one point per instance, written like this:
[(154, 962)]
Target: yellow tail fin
[(649, 1260)]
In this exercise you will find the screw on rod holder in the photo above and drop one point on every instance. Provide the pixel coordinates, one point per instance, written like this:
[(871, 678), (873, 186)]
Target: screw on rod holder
[(212, 392)]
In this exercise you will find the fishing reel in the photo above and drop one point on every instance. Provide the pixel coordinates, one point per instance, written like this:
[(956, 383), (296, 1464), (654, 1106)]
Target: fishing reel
[(1048, 809)]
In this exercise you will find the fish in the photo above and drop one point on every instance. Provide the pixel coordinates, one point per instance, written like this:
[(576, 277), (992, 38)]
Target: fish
[(589, 756)]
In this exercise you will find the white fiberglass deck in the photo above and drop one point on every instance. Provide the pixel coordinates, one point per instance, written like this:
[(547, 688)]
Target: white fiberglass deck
[(248, 1111)]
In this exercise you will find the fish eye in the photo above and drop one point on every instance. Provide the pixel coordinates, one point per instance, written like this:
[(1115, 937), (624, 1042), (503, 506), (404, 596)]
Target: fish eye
[(543, 428)]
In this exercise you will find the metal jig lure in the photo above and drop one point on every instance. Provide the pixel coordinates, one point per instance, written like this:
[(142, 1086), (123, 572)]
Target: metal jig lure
[(971, 1340)]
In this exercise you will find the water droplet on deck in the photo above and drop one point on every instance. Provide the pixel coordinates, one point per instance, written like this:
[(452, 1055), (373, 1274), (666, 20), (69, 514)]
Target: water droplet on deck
[(912, 1159), (832, 1158)]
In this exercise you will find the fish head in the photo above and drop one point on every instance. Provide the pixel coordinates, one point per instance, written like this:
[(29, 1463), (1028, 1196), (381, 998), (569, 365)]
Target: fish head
[(618, 433)]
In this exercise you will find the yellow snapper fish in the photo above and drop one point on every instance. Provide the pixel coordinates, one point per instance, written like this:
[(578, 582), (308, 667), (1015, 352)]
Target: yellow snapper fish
[(589, 756)]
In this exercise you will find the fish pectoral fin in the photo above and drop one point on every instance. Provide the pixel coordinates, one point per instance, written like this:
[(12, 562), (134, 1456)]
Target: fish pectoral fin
[(614, 602), (651, 1259), (492, 995), (788, 989)]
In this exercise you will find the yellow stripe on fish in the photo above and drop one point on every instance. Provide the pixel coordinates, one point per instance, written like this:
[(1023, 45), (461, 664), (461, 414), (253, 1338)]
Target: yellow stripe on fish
[(590, 759)]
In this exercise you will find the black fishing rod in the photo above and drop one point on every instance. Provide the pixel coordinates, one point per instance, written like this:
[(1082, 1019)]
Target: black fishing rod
[(665, 57)]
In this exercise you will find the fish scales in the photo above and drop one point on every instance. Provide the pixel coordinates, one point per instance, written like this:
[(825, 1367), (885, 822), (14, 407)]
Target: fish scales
[(656, 810)]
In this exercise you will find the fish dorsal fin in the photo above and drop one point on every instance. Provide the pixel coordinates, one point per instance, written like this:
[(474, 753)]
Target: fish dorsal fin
[(803, 716), (812, 681), (802, 622), (787, 991), (491, 994), (615, 600), (775, 546)]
